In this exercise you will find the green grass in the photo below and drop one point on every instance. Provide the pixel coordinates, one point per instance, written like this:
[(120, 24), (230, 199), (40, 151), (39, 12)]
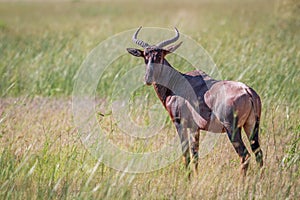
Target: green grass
[(42, 45)]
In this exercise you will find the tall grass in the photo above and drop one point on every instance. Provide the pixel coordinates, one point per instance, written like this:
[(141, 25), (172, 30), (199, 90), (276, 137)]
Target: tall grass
[(41, 155)]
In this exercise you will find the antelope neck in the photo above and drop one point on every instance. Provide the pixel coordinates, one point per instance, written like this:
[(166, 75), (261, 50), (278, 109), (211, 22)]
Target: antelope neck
[(162, 91)]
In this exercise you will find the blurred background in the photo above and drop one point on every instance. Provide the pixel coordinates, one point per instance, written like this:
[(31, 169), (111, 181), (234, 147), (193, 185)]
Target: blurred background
[(43, 43)]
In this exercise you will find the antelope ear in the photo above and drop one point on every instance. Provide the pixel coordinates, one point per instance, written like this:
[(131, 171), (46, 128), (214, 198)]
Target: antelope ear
[(135, 52), (172, 48)]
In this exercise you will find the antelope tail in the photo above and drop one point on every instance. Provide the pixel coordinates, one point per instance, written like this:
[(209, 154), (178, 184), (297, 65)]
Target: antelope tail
[(249, 92)]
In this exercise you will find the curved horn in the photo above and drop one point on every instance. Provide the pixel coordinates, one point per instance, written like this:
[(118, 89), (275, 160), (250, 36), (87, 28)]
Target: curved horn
[(137, 41), (170, 41)]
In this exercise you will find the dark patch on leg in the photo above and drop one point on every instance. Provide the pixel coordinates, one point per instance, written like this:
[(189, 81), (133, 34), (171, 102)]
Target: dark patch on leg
[(255, 147), (237, 142), (184, 141), (194, 150), (240, 148)]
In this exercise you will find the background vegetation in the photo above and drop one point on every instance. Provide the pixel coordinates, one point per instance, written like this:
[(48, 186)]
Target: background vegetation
[(42, 45)]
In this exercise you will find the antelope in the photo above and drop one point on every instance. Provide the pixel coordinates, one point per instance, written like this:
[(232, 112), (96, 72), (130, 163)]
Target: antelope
[(221, 106)]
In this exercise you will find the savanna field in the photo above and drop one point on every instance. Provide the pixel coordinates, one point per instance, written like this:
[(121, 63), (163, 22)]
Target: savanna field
[(44, 43)]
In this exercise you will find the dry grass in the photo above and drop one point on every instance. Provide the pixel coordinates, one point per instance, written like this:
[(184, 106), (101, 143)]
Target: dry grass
[(41, 147)]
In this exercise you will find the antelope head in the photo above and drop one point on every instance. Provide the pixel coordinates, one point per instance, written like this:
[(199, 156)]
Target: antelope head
[(154, 55)]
